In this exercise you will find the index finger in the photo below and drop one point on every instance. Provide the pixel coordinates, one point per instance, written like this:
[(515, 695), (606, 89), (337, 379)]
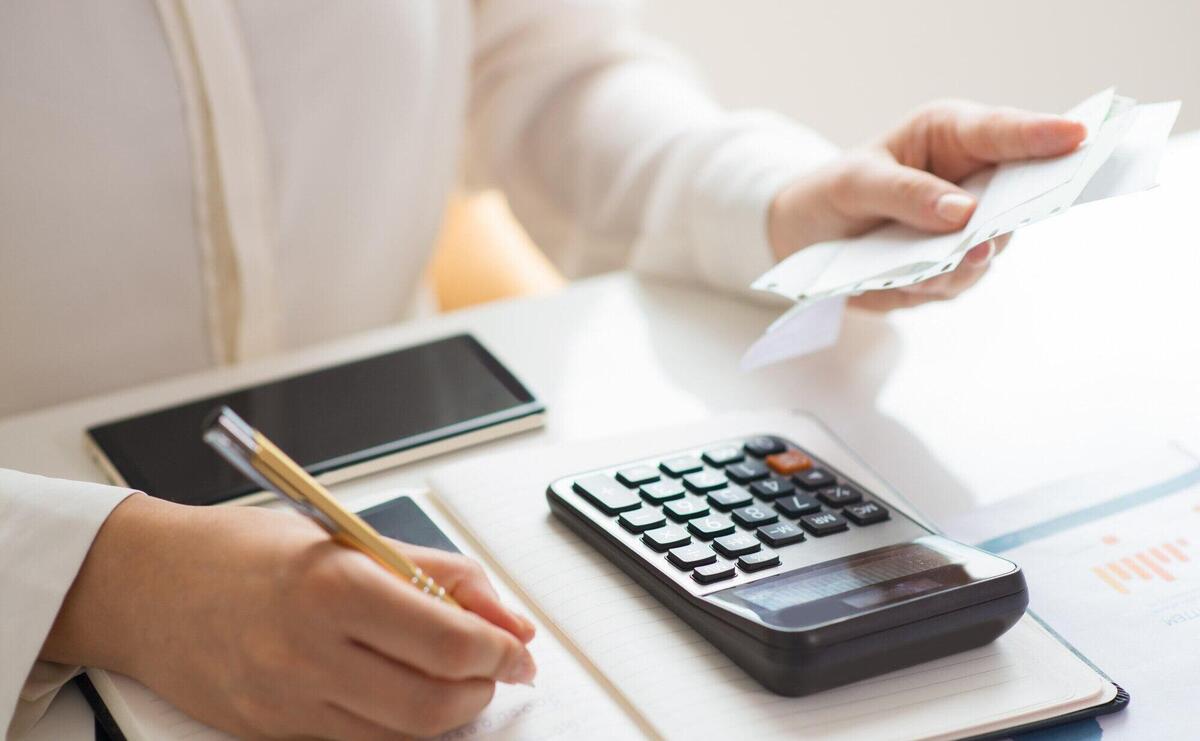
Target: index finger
[(398, 620), (1000, 134), (465, 580)]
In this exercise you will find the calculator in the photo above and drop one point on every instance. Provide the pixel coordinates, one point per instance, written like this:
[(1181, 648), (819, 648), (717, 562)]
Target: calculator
[(803, 577)]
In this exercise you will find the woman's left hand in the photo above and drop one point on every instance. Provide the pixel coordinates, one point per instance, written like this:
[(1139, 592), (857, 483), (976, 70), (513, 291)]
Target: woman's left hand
[(909, 176)]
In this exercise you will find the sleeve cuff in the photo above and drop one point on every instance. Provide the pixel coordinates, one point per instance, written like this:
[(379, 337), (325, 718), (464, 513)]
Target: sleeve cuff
[(46, 529), (706, 219), (732, 194)]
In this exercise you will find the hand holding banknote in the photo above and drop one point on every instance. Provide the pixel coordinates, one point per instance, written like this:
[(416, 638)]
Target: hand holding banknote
[(910, 176)]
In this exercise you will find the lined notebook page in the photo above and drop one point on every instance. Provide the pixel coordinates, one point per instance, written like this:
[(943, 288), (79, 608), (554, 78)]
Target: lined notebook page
[(680, 685)]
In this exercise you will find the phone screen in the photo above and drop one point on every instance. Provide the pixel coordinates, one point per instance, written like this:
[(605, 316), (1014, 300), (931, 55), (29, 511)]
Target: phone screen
[(325, 420)]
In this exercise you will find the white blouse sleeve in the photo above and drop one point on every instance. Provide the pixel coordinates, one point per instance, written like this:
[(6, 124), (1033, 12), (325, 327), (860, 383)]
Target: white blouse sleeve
[(46, 529), (612, 155)]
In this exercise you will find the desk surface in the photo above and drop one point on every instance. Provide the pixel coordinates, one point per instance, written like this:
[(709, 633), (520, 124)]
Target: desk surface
[(1074, 353)]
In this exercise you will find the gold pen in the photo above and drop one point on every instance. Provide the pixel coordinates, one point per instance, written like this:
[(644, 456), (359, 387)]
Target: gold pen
[(269, 467)]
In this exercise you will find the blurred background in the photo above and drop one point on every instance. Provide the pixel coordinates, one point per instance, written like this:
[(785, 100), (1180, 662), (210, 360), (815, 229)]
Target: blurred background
[(852, 67)]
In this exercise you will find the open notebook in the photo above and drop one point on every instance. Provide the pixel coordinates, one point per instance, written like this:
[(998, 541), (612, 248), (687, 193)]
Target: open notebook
[(614, 664), (675, 683)]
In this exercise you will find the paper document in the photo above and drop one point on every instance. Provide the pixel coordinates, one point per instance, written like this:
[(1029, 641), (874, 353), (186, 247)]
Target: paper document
[(801, 330), (1121, 155), (1113, 563)]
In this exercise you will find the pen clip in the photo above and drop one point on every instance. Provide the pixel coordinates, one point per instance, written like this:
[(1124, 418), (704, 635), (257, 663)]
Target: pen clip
[(234, 440), (265, 464)]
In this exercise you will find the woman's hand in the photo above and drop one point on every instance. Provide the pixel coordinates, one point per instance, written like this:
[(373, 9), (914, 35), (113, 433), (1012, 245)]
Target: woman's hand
[(254, 621), (909, 176)]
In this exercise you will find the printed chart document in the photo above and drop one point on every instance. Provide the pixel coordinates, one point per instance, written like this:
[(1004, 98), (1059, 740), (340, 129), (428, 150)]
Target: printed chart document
[(1113, 564), (1121, 155), (674, 681)]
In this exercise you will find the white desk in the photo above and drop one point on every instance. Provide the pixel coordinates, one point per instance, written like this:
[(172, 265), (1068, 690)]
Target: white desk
[(1064, 360)]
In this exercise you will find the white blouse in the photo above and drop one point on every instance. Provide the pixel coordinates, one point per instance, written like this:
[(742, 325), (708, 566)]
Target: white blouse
[(185, 183)]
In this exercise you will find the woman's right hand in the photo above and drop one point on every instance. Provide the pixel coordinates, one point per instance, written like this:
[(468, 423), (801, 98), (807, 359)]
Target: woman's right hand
[(255, 622)]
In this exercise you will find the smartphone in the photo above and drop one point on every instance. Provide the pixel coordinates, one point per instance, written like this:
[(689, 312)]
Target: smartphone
[(338, 422)]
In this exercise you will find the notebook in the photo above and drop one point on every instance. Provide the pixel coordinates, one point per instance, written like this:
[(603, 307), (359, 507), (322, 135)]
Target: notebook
[(675, 684)]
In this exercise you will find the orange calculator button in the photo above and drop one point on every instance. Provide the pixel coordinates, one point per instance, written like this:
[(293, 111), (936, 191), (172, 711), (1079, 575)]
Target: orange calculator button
[(789, 462)]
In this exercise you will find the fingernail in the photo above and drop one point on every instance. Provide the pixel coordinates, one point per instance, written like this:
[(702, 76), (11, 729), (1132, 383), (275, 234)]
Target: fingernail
[(954, 207), (527, 624), (520, 671)]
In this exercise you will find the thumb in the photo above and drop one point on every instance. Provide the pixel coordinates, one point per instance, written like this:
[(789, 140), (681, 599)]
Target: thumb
[(883, 188)]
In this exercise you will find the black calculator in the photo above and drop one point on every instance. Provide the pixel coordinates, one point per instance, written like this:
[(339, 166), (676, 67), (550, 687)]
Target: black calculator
[(800, 575)]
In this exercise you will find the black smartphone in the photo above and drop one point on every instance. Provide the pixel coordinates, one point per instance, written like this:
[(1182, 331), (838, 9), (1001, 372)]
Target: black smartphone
[(338, 422)]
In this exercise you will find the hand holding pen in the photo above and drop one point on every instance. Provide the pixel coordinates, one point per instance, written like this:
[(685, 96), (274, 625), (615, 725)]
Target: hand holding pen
[(347, 631)]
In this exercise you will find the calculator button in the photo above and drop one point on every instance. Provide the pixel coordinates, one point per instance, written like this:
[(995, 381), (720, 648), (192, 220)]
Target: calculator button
[(637, 475), (723, 456), (797, 505), (665, 538), (727, 499), (754, 515), (713, 572), (744, 473), (865, 513), (758, 561), (703, 481), (789, 462), (707, 528), (763, 446), (780, 534), (662, 491), (690, 556), (640, 520), (772, 488), (680, 465), (680, 510), (814, 478), (732, 546), (838, 496), (606, 494), (824, 523)]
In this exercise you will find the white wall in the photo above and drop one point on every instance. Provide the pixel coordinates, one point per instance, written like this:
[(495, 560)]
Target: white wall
[(850, 68)]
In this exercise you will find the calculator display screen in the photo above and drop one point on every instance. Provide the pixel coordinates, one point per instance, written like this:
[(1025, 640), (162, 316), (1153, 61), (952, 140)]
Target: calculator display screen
[(863, 582), (841, 578)]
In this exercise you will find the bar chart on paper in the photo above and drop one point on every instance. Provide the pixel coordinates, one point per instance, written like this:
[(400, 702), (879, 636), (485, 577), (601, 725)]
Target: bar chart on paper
[(1156, 562), (1113, 565), (1137, 566)]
